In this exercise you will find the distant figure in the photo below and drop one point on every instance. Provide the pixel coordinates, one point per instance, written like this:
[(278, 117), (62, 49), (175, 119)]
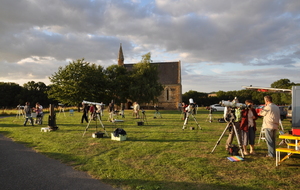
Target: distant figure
[(39, 113), (85, 113), (27, 111), (136, 110)]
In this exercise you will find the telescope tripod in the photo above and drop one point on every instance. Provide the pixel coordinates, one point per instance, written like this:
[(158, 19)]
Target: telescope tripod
[(187, 118), (230, 124), (210, 116), (157, 114), (144, 118), (98, 117)]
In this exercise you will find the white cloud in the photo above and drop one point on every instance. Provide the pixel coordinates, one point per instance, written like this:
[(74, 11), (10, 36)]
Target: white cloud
[(206, 35)]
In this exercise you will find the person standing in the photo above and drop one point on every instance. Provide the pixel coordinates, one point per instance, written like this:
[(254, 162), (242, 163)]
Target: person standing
[(39, 113), (136, 110), (27, 111), (248, 127), (270, 125), (85, 113)]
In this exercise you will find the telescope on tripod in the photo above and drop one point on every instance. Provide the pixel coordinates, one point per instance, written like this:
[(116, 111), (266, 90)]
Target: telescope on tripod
[(97, 117), (189, 111)]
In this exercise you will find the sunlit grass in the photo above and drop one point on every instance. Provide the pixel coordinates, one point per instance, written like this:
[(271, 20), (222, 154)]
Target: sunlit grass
[(157, 155)]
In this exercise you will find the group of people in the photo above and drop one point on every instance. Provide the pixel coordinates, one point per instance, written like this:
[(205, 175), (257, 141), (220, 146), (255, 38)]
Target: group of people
[(38, 109), (93, 110), (246, 127)]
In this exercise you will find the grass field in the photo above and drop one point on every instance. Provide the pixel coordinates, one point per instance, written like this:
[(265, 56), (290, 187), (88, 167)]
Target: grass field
[(157, 155)]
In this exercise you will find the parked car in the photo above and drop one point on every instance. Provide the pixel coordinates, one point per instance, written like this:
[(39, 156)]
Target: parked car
[(258, 109), (289, 112), (217, 107), (283, 111)]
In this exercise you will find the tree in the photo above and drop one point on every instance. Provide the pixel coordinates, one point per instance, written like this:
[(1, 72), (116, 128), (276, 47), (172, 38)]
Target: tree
[(35, 92), (78, 81), (283, 83), (10, 94), (144, 86), (117, 83)]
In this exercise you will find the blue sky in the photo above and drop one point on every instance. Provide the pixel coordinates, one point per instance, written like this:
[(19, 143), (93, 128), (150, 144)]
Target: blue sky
[(222, 45)]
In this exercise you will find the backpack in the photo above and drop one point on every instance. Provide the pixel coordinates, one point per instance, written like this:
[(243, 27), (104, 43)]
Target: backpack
[(233, 150), (118, 132)]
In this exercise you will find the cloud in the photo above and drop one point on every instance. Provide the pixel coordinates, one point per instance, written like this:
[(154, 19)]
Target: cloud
[(38, 36)]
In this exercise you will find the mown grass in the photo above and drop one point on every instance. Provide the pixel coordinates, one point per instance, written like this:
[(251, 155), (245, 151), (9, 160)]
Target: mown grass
[(158, 155)]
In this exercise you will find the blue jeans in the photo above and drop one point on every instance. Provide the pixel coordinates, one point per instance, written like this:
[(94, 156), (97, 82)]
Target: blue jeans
[(270, 139)]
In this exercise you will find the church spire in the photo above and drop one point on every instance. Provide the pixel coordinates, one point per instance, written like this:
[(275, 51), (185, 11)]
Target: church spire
[(121, 56)]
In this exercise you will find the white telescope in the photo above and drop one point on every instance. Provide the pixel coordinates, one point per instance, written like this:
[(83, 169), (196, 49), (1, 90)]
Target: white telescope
[(92, 103)]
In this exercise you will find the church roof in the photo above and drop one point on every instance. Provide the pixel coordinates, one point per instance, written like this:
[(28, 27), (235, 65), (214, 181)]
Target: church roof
[(168, 72)]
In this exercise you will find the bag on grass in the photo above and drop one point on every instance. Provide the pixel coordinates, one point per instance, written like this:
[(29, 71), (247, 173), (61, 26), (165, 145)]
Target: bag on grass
[(233, 150)]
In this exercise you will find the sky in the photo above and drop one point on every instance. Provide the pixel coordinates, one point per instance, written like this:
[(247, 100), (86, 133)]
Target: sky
[(222, 45)]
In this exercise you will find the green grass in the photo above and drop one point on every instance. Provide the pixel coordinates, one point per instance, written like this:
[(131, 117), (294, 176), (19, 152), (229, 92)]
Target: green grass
[(158, 155)]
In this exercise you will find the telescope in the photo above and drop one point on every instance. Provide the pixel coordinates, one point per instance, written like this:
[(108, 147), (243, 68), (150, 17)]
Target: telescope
[(232, 104), (92, 103)]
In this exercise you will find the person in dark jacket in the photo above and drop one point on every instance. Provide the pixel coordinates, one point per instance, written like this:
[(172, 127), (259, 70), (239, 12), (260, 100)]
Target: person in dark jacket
[(85, 113), (28, 110), (248, 127)]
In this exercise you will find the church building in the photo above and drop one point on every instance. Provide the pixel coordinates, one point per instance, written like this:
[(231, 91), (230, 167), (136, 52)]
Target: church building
[(169, 74)]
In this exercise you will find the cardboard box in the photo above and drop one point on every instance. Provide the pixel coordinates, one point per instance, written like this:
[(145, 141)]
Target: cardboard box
[(119, 138)]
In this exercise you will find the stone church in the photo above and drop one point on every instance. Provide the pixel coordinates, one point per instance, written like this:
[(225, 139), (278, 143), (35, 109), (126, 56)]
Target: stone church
[(169, 76)]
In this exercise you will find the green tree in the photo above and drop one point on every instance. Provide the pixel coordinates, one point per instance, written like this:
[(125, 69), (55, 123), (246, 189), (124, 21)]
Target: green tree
[(10, 94), (117, 83), (144, 86), (283, 83), (78, 81), (35, 92)]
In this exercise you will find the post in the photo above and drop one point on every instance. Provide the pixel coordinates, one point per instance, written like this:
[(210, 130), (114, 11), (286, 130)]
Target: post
[(52, 119)]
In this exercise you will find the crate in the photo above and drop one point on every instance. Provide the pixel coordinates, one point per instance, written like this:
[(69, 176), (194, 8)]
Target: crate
[(119, 138)]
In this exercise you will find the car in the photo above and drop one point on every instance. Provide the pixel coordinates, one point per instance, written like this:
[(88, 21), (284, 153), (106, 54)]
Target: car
[(283, 111), (258, 109), (217, 107), (289, 112)]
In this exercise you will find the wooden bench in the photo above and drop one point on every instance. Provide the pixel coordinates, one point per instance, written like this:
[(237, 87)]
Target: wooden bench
[(289, 151)]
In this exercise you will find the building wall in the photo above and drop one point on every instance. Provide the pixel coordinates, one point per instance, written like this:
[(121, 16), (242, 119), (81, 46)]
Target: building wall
[(169, 74), (171, 96)]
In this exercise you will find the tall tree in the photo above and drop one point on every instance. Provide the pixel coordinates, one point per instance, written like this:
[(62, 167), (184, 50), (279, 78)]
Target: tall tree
[(282, 83), (117, 83), (144, 86), (35, 92), (78, 81), (10, 94)]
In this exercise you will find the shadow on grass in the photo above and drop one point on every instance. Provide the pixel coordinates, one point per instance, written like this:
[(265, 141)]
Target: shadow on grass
[(170, 185)]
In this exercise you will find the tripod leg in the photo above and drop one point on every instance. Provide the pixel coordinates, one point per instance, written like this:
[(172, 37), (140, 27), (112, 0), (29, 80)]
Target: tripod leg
[(238, 140), (102, 126), (198, 125), (185, 121), (145, 118), (218, 142), (86, 127)]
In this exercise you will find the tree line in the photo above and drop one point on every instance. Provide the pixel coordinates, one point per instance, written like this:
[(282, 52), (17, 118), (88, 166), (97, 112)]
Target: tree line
[(81, 80), (204, 99)]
